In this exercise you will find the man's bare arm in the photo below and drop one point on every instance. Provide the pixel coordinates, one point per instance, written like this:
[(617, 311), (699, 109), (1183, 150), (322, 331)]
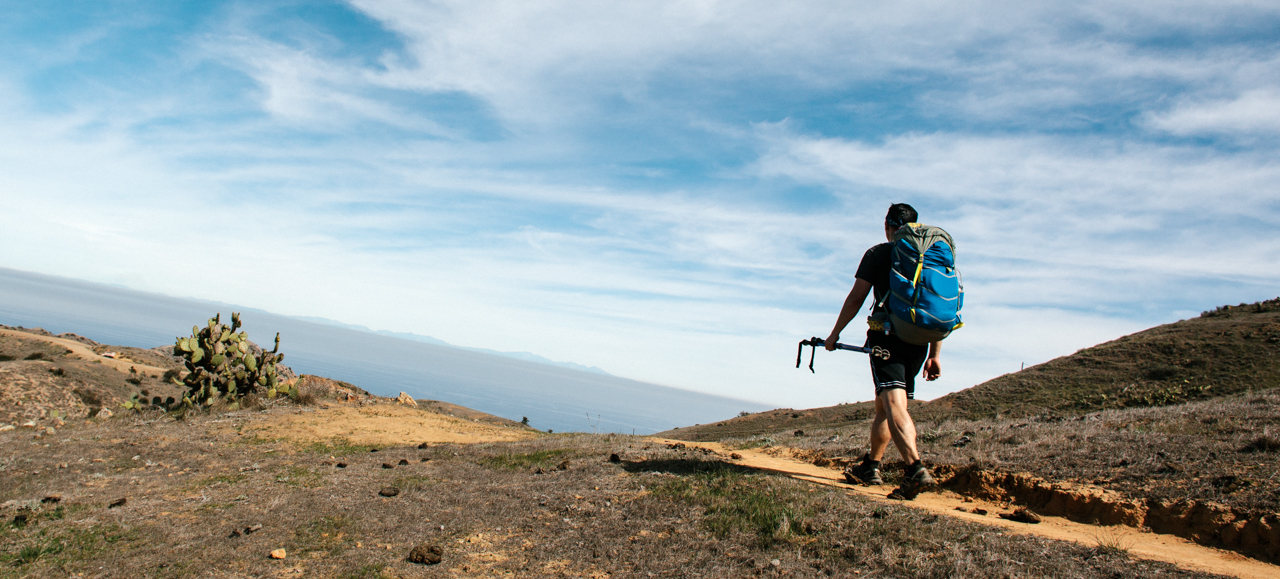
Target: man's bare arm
[(852, 304)]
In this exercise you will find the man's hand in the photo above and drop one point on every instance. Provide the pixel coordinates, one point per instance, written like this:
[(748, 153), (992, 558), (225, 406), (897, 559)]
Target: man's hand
[(830, 342), (932, 369)]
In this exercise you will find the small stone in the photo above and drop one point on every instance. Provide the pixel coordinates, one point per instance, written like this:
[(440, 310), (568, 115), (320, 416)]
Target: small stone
[(389, 491), (49, 430), (51, 499), (775, 563), (425, 459), (29, 424), (615, 458), (978, 511), (403, 462), (563, 465), (426, 554), (1021, 516), (798, 433), (424, 446), (234, 534), (735, 456), (278, 554), (105, 413), (120, 502), (406, 399), (252, 529), (341, 465), (6, 427), (388, 465)]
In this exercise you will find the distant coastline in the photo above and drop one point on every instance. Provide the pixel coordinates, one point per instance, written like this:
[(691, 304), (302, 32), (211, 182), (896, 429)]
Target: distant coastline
[(553, 396)]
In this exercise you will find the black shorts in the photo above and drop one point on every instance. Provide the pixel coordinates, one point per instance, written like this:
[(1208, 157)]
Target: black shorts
[(902, 367)]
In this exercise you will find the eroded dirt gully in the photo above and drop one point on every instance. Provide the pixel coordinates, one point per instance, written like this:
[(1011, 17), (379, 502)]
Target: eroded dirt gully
[(1184, 533), (1206, 523)]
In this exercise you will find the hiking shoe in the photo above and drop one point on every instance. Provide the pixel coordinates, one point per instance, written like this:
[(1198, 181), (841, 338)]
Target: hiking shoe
[(913, 485), (863, 474)]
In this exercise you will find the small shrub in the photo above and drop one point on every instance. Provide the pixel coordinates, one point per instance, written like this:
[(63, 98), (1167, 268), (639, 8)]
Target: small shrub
[(1264, 443), (32, 553), (540, 458)]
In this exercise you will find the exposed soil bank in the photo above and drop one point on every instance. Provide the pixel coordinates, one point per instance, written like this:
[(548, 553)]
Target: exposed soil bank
[(1210, 524)]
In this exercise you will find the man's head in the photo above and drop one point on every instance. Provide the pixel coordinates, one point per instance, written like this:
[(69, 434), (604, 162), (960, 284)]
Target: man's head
[(899, 214)]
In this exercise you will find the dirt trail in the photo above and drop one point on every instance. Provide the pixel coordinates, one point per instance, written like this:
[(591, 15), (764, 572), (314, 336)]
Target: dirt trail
[(86, 353), (1144, 545)]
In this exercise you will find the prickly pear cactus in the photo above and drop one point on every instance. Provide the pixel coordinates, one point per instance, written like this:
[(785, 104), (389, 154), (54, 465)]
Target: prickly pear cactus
[(222, 363)]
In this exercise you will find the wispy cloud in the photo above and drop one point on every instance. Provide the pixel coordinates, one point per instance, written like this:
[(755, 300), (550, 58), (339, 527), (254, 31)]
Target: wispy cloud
[(1253, 113)]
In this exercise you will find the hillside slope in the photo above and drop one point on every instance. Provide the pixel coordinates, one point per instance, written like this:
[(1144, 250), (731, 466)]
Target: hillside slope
[(1225, 351)]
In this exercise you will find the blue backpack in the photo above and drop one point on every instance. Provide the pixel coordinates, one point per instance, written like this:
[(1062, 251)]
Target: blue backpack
[(925, 289)]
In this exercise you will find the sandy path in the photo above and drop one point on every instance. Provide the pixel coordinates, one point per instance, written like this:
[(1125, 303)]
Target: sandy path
[(1166, 548), (377, 424), (85, 353)]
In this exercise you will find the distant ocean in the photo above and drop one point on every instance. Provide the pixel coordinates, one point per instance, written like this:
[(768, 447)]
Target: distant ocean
[(552, 396)]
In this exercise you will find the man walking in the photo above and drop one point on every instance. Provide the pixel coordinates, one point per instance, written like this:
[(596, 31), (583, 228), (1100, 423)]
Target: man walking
[(894, 365)]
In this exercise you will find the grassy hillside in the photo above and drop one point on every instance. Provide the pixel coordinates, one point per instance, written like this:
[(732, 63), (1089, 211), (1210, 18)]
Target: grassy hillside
[(1226, 351)]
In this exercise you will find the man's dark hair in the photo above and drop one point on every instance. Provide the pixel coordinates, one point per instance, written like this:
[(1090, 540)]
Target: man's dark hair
[(901, 214)]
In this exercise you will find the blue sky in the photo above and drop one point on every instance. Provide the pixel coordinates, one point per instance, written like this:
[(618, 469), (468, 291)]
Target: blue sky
[(675, 192)]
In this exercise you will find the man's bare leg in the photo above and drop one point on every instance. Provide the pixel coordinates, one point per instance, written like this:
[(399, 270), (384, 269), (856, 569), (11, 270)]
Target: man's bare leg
[(880, 435), (892, 404)]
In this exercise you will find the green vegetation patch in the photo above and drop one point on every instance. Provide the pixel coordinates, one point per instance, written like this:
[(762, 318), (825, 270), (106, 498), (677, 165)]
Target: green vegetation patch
[(296, 476), (371, 571), (405, 483), (747, 503), (330, 534), (536, 459), (338, 447), (61, 547)]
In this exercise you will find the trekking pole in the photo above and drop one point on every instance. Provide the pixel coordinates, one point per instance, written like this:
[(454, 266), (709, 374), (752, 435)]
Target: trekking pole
[(815, 342)]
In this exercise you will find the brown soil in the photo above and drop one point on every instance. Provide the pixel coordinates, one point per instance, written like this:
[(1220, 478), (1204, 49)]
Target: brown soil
[(373, 424), (88, 353)]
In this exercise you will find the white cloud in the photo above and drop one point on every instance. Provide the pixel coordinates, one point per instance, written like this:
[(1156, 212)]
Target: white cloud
[(1252, 113)]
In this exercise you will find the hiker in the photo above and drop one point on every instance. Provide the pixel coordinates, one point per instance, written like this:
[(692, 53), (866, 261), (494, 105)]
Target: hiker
[(894, 365)]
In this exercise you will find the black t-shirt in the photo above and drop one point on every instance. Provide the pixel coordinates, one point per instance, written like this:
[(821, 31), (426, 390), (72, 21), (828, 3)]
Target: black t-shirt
[(875, 269)]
